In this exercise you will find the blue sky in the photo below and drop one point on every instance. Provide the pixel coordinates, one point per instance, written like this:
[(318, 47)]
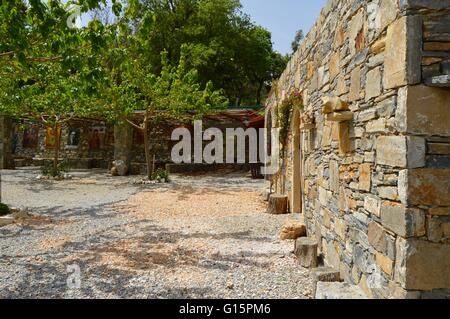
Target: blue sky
[(283, 18)]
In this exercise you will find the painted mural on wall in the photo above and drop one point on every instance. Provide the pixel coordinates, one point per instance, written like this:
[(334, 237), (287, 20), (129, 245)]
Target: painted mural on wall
[(73, 138), (97, 138), (51, 137), (31, 137)]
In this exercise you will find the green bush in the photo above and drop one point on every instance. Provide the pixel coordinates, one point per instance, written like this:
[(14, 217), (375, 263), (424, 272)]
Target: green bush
[(48, 170), (4, 209), (161, 175)]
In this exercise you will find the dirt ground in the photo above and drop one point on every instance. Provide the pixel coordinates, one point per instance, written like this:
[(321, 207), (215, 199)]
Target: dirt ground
[(197, 237)]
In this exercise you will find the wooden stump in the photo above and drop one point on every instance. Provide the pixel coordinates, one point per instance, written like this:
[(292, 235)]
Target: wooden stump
[(278, 204), (306, 252)]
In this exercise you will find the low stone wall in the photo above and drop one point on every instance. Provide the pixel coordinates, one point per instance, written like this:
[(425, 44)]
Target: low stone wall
[(375, 165), (88, 143), (84, 150)]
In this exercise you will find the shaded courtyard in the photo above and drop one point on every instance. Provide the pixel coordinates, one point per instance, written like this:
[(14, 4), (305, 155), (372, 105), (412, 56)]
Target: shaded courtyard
[(197, 237)]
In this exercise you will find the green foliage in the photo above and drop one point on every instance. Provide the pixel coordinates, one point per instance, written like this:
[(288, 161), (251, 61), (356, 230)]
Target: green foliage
[(220, 42), (161, 175), (4, 209), (48, 169), (299, 36), (284, 118), (285, 114)]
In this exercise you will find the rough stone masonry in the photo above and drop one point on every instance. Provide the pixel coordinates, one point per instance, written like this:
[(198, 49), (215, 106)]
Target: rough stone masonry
[(375, 170)]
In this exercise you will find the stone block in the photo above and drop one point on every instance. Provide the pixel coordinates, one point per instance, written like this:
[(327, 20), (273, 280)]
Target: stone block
[(292, 230), (390, 193), (377, 237), (372, 204), (365, 177), (338, 290), (402, 64), (426, 186), (355, 84), (326, 218), (401, 151), (385, 263), (387, 13), (405, 222), (356, 32), (386, 108), (334, 176), (342, 87), (344, 138), (324, 274), (331, 253), (324, 196), (340, 227), (378, 46), (424, 110), (373, 83), (438, 228), (340, 116), (334, 65), (334, 104), (421, 265)]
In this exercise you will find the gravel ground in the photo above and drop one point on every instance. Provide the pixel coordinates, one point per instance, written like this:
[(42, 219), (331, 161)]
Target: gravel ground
[(197, 237)]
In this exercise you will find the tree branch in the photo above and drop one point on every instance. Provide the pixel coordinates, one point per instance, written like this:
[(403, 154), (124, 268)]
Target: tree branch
[(134, 125)]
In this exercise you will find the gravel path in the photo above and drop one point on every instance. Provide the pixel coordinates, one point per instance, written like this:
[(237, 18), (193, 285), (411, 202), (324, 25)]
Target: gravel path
[(197, 237)]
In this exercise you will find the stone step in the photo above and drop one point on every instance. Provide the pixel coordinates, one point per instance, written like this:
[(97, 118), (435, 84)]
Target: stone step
[(324, 274), (338, 290)]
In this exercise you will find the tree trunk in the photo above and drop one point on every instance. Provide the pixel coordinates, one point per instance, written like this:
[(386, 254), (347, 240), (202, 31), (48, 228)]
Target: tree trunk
[(148, 158), (306, 251), (278, 204), (258, 93), (56, 154)]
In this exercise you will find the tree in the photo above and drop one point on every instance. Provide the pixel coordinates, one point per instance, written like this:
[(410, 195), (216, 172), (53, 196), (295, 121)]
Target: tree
[(169, 95), (221, 42), (299, 36), (49, 71)]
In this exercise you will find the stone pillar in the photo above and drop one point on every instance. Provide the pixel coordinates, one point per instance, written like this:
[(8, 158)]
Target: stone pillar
[(6, 161), (123, 142)]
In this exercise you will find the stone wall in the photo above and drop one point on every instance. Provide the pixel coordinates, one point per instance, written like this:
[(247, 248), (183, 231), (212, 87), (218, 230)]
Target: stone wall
[(376, 163), (120, 141), (80, 155)]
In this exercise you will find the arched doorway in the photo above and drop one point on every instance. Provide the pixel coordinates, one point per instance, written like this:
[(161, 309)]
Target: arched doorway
[(296, 198)]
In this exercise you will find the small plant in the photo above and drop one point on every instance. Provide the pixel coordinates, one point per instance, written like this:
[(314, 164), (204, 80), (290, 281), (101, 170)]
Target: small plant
[(161, 175), (4, 209), (48, 169), (295, 100)]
